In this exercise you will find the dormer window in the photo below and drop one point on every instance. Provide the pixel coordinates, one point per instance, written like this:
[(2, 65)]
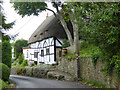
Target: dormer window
[(35, 36)]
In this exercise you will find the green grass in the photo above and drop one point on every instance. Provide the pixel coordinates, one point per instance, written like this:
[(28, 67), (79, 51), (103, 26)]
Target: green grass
[(94, 84), (70, 56), (87, 50)]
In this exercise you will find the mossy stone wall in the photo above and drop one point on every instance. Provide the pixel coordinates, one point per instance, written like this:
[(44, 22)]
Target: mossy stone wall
[(88, 71)]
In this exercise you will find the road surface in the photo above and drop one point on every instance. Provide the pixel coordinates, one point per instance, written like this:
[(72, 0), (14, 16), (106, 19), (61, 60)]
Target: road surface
[(30, 82)]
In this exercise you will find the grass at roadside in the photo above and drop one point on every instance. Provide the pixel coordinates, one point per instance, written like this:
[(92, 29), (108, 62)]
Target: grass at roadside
[(93, 84)]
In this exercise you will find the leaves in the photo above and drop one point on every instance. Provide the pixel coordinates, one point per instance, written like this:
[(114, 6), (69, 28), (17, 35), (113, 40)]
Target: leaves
[(29, 8)]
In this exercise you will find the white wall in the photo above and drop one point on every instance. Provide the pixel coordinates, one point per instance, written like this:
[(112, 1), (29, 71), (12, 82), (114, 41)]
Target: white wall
[(42, 45)]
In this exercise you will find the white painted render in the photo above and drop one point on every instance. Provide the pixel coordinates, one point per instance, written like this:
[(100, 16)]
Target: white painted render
[(48, 43)]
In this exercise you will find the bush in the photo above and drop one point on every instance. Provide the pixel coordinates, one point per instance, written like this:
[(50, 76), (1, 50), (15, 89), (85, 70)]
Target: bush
[(6, 53), (20, 58), (3, 85), (5, 70), (25, 63), (21, 71), (65, 43), (32, 64), (19, 44)]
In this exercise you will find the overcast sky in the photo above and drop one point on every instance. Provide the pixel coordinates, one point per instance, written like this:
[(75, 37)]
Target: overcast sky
[(24, 26)]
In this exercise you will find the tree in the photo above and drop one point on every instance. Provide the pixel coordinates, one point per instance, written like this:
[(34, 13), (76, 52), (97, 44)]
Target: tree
[(6, 53), (19, 44), (6, 46), (29, 8)]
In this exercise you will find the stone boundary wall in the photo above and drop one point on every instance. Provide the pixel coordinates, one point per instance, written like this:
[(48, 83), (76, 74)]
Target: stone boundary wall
[(37, 72), (68, 66), (88, 71)]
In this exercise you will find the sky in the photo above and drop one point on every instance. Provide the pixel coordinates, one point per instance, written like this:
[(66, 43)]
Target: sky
[(24, 26)]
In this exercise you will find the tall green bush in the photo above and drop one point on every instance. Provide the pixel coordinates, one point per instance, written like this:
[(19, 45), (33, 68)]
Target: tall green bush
[(5, 70), (20, 58), (6, 53), (19, 44)]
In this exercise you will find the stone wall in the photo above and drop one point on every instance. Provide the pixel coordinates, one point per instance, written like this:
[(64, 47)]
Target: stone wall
[(68, 66), (88, 71)]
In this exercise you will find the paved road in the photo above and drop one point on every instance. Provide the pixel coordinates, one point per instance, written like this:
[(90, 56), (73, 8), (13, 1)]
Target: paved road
[(30, 82)]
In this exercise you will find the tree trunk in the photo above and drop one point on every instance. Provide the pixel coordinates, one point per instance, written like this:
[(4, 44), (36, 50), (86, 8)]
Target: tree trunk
[(64, 24), (76, 43)]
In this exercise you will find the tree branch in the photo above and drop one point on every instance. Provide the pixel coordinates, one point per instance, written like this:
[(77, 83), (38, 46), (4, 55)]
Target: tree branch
[(51, 11)]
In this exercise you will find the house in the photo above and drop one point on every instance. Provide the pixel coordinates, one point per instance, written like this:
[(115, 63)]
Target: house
[(13, 57), (45, 44)]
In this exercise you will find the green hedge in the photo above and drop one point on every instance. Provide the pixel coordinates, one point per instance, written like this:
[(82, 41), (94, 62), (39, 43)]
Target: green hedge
[(6, 53), (5, 70)]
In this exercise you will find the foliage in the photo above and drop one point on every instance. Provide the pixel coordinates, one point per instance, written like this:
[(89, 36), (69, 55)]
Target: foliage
[(94, 59), (32, 64), (3, 84), (6, 53), (21, 71), (5, 71), (20, 58), (4, 25), (95, 84), (32, 8), (65, 43), (99, 24), (70, 56), (88, 50), (19, 44), (24, 63)]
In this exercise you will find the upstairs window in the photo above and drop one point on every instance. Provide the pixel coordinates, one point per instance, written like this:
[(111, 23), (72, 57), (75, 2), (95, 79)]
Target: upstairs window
[(47, 51)]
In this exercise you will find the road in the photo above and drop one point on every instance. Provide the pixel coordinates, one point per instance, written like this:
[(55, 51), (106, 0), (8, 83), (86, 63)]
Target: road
[(30, 82)]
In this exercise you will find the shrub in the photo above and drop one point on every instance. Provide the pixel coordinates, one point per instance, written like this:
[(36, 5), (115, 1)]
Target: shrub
[(25, 63), (21, 71), (19, 44), (3, 85), (32, 64), (65, 43), (20, 58), (5, 70), (6, 53)]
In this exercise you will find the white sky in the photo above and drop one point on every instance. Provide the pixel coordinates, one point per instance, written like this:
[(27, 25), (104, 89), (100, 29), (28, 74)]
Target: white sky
[(24, 26)]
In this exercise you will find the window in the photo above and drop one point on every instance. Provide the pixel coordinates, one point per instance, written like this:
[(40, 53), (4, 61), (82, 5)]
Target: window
[(35, 54), (27, 54), (47, 51), (42, 53)]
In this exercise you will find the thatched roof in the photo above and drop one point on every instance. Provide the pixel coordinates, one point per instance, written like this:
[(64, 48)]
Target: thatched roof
[(50, 27)]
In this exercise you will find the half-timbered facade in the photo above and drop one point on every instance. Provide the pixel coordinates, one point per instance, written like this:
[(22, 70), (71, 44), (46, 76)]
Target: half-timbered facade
[(45, 43)]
